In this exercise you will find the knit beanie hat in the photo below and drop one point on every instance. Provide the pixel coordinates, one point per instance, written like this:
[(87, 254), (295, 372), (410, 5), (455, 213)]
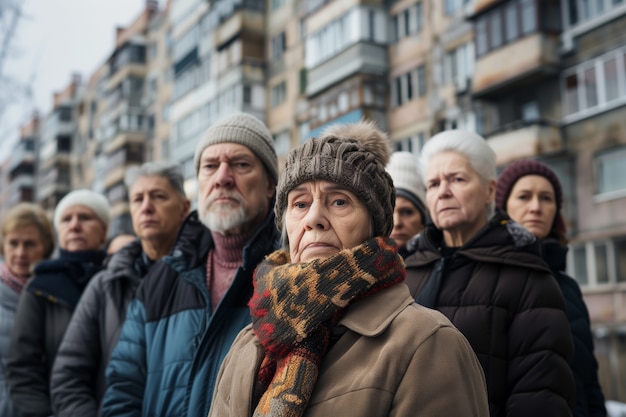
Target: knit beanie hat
[(407, 180), (95, 201), (244, 129), (352, 155), (518, 169)]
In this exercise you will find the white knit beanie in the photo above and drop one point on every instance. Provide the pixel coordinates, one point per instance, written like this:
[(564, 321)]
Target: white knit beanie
[(95, 201), (406, 179), (246, 130)]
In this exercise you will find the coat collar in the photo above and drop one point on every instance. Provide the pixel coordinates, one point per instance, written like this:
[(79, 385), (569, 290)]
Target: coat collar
[(372, 316)]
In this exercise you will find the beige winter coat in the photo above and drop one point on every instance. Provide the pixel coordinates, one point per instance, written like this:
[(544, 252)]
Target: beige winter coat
[(396, 359)]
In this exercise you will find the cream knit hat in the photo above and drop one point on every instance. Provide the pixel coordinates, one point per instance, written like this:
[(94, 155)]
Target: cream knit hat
[(246, 130), (407, 180), (95, 201)]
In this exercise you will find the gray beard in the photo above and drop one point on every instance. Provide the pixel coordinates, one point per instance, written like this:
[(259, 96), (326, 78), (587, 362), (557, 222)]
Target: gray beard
[(224, 219)]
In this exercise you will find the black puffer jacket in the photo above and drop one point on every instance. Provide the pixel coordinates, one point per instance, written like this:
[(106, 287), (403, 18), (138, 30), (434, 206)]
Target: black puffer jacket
[(77, 382), (43, 313), (589, 397), (503, 298)]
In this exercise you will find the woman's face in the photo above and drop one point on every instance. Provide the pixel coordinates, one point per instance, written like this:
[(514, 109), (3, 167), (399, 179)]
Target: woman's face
[(22, 248), (457, 198), (532, 204), (407, 221), (323, 218), (81, 229)]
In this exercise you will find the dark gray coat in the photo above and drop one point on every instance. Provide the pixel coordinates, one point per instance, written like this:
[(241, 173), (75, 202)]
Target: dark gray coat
[(77, 381)]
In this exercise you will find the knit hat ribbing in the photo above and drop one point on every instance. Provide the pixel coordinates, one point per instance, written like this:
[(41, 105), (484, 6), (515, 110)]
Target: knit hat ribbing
[(353, 155), (246, 130), (91, 199), (407, 180), (518, 169)]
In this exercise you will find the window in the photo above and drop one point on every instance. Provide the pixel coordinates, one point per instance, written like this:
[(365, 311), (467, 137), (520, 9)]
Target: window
[(278, 45), (581, 11), (620, 257), (282, 143), (514, 19), (278, 94), (602, 276), (580, 265), (407, 22), (247, 94), (404, 87), (611, 171), (275, 4), (421, 80), (530, 111), (595, 85)]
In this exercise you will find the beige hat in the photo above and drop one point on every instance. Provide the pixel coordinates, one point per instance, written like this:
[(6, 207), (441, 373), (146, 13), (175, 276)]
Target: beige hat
[(407, 180)]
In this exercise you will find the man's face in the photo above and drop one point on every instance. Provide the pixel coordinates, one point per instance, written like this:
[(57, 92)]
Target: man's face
[(156, 208), (234, 190)]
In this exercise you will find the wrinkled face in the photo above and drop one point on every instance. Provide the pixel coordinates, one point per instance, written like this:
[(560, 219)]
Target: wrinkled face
[(81, 229), (407, 221), (323, 218), (22, 249), (156, 208), (457, 198), (234, 190), (532, 203)]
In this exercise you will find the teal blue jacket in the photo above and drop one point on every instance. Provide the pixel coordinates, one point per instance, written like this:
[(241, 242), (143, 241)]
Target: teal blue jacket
[(171, 345)]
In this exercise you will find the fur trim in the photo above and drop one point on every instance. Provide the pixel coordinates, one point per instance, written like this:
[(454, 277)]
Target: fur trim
[(367, 134)]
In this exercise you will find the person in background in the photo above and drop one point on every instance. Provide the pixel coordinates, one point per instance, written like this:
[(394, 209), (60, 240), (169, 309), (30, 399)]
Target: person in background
[(117, 242), (530, 192), (26, 237), (158, 207), (334, 329), (484, 272), (191, 304), (81, 219), (410, 214)]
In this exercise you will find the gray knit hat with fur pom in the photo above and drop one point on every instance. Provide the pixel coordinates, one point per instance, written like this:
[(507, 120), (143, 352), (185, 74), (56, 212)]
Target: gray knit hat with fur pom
[(353, 155)]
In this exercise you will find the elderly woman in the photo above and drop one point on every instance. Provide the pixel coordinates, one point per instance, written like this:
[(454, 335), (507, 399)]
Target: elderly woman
[(531, 193), (481, 270), (80, 219), (335, 330), (158, 207), (26, 237), (410, 213)]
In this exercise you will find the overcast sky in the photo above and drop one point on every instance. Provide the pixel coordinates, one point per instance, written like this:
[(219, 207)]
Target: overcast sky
[(57, 38)]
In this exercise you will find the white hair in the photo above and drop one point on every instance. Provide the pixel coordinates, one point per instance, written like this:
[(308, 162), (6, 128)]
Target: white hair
[(475, 148)]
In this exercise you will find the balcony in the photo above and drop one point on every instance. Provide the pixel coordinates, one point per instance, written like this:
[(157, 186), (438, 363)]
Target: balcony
[(525, 139), (21, 158), (359, 58), (516, 65)]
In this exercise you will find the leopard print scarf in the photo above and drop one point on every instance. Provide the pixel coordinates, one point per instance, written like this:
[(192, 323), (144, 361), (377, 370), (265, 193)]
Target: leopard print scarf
[(294, 308)]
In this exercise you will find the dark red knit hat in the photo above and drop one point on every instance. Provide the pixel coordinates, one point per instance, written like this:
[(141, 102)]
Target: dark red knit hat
[(518, 169)]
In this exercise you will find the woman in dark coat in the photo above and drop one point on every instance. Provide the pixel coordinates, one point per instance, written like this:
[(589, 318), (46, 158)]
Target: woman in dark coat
[(531, 193), (481, 270), (80, 219)]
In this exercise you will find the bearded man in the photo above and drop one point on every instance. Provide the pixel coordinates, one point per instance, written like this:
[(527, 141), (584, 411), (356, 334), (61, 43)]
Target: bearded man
[(192, 303)]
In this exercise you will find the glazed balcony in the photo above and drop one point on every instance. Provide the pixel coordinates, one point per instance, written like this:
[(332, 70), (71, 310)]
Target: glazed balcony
[(525, 139), (516, 65)]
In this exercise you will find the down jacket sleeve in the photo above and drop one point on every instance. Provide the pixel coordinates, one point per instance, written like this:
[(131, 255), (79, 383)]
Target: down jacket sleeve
[(540, 349), (126, 372), (26, 369), (76, 366)]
